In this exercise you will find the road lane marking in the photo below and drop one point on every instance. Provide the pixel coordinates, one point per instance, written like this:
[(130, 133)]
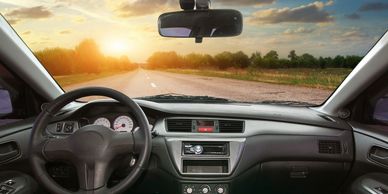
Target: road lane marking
[(153, 85)]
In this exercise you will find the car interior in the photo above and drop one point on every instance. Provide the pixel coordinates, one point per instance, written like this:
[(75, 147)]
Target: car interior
[(50, 142)]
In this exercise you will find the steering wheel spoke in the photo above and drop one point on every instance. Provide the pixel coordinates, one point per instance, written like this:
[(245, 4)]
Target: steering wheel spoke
[(92, 175), (57, 149), (122, 143)]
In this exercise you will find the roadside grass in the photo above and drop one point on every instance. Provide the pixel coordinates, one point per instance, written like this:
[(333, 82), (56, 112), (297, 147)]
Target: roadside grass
[(328, 78), (79, 78)]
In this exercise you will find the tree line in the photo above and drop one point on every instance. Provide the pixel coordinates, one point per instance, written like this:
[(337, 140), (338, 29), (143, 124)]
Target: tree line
[(86, 57), (271, 60)]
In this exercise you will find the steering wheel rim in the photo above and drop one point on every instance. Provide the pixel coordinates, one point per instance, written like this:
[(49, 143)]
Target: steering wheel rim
[(111, 142)]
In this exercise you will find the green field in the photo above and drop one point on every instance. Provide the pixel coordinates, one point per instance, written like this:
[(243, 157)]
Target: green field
[(79, 78), (316, 78)]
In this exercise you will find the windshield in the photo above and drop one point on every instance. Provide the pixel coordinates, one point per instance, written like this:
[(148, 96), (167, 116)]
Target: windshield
[(290, 52)]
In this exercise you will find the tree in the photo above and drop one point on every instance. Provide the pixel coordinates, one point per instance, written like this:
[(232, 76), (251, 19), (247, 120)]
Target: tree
[(240, 60), (270, 60), (163, 60), (58, 61), (308, 60), (224, 60), (339, 61), (89, 56), (322, 63), (352, 61), (292, 56), (256, 60)]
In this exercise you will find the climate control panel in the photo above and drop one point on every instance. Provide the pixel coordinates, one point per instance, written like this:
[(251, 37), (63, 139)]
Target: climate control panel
[(205, 188)]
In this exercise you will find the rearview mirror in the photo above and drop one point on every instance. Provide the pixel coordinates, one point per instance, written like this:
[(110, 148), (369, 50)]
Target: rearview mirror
[(201, 23)]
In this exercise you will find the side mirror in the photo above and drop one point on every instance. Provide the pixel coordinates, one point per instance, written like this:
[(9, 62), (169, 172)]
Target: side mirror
[(5, 102), (381, 110), (201, 23)]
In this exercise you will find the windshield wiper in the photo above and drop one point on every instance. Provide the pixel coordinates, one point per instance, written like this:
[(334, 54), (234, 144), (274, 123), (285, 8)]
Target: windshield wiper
[(172, 97), (286, 102)]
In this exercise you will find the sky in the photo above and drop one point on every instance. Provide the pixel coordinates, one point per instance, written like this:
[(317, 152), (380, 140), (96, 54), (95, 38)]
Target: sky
[(129, 27)]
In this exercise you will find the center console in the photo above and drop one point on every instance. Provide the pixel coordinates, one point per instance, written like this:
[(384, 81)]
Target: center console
[(205, 157), (206, 151)]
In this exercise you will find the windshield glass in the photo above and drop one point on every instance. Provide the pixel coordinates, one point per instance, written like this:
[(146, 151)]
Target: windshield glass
[(290, 52)]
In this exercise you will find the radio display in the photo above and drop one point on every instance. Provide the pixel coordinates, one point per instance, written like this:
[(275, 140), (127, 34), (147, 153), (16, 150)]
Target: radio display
[(205, 126)]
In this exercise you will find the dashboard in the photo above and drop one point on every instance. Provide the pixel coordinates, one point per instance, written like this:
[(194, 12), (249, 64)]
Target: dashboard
[(229, 148)]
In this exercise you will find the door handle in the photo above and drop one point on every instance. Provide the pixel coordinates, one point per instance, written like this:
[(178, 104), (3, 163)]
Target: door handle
[(8, 151), (379, 155)]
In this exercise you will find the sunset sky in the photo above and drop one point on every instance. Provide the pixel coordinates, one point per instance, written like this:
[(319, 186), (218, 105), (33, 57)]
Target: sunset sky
[(322, 28)]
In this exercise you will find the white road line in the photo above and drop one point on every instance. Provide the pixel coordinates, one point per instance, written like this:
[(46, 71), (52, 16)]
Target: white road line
[(153, 85)]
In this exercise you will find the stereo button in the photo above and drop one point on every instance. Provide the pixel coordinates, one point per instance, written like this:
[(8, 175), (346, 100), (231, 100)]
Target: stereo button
[(205, 189)]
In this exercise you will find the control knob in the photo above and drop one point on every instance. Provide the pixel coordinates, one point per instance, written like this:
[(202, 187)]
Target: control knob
[(205, 189), (220, 189), (188, 189)]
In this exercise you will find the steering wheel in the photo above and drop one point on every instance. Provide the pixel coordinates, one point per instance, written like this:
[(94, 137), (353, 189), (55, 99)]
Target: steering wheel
[(92, 149)]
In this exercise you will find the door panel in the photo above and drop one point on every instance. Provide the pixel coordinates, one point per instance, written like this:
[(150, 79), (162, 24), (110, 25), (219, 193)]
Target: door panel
[(370, 166)]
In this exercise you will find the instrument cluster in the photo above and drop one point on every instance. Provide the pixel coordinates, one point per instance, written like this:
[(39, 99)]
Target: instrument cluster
[(121, 123)]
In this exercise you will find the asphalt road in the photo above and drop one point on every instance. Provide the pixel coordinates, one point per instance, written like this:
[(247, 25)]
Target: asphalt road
[(146, 83)]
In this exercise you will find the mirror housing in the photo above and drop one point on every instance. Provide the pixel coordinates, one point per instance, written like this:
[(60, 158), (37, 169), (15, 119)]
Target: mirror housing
[(201, 23), (5, 102)]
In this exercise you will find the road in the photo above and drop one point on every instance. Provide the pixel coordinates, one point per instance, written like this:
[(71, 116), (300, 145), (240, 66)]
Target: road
[(146, 83)]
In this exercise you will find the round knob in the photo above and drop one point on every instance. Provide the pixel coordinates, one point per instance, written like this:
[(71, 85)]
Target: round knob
[(205, 190), (220, 190), (198, 149), (189, 190)]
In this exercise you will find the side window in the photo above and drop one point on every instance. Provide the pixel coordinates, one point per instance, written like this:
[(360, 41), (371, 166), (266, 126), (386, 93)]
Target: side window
[(380, 113), (17, 101)]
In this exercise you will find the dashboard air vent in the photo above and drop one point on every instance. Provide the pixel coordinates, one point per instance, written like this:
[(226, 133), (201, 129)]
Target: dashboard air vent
[(226, 126), (179, 125), (330, 147)]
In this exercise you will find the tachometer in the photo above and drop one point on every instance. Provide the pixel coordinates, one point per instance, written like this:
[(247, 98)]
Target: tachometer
[(102, 121), (123, 124)]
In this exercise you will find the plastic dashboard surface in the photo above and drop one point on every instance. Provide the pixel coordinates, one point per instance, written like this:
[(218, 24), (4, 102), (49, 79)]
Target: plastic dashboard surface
[(272, 135)]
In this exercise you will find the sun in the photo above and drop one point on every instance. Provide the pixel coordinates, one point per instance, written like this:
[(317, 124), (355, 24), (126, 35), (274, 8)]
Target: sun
[(116, 47)]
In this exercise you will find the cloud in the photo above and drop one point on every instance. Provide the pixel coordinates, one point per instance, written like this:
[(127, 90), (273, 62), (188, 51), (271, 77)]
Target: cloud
[(246, 2), (31, 12), (13, 21), (350, 35), (142, 7), (310, 13), (145, 7), (374, 6), (26, 32), (79, 19), (300, 30), (354, 33), (65, 32), (353, 16)]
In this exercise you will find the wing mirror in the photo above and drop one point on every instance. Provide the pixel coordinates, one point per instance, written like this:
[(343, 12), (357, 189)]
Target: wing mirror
[(5, 102)]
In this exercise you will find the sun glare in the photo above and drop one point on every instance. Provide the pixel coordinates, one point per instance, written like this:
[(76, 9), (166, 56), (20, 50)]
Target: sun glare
[(116, 47)]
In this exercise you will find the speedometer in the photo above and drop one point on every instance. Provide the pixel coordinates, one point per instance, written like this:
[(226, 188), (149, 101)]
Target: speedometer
[(123, 124), (102, 121)]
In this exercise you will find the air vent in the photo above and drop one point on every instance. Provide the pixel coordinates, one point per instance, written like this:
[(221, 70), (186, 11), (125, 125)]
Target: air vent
[(226, 126), (330, 147), (179, 125)]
